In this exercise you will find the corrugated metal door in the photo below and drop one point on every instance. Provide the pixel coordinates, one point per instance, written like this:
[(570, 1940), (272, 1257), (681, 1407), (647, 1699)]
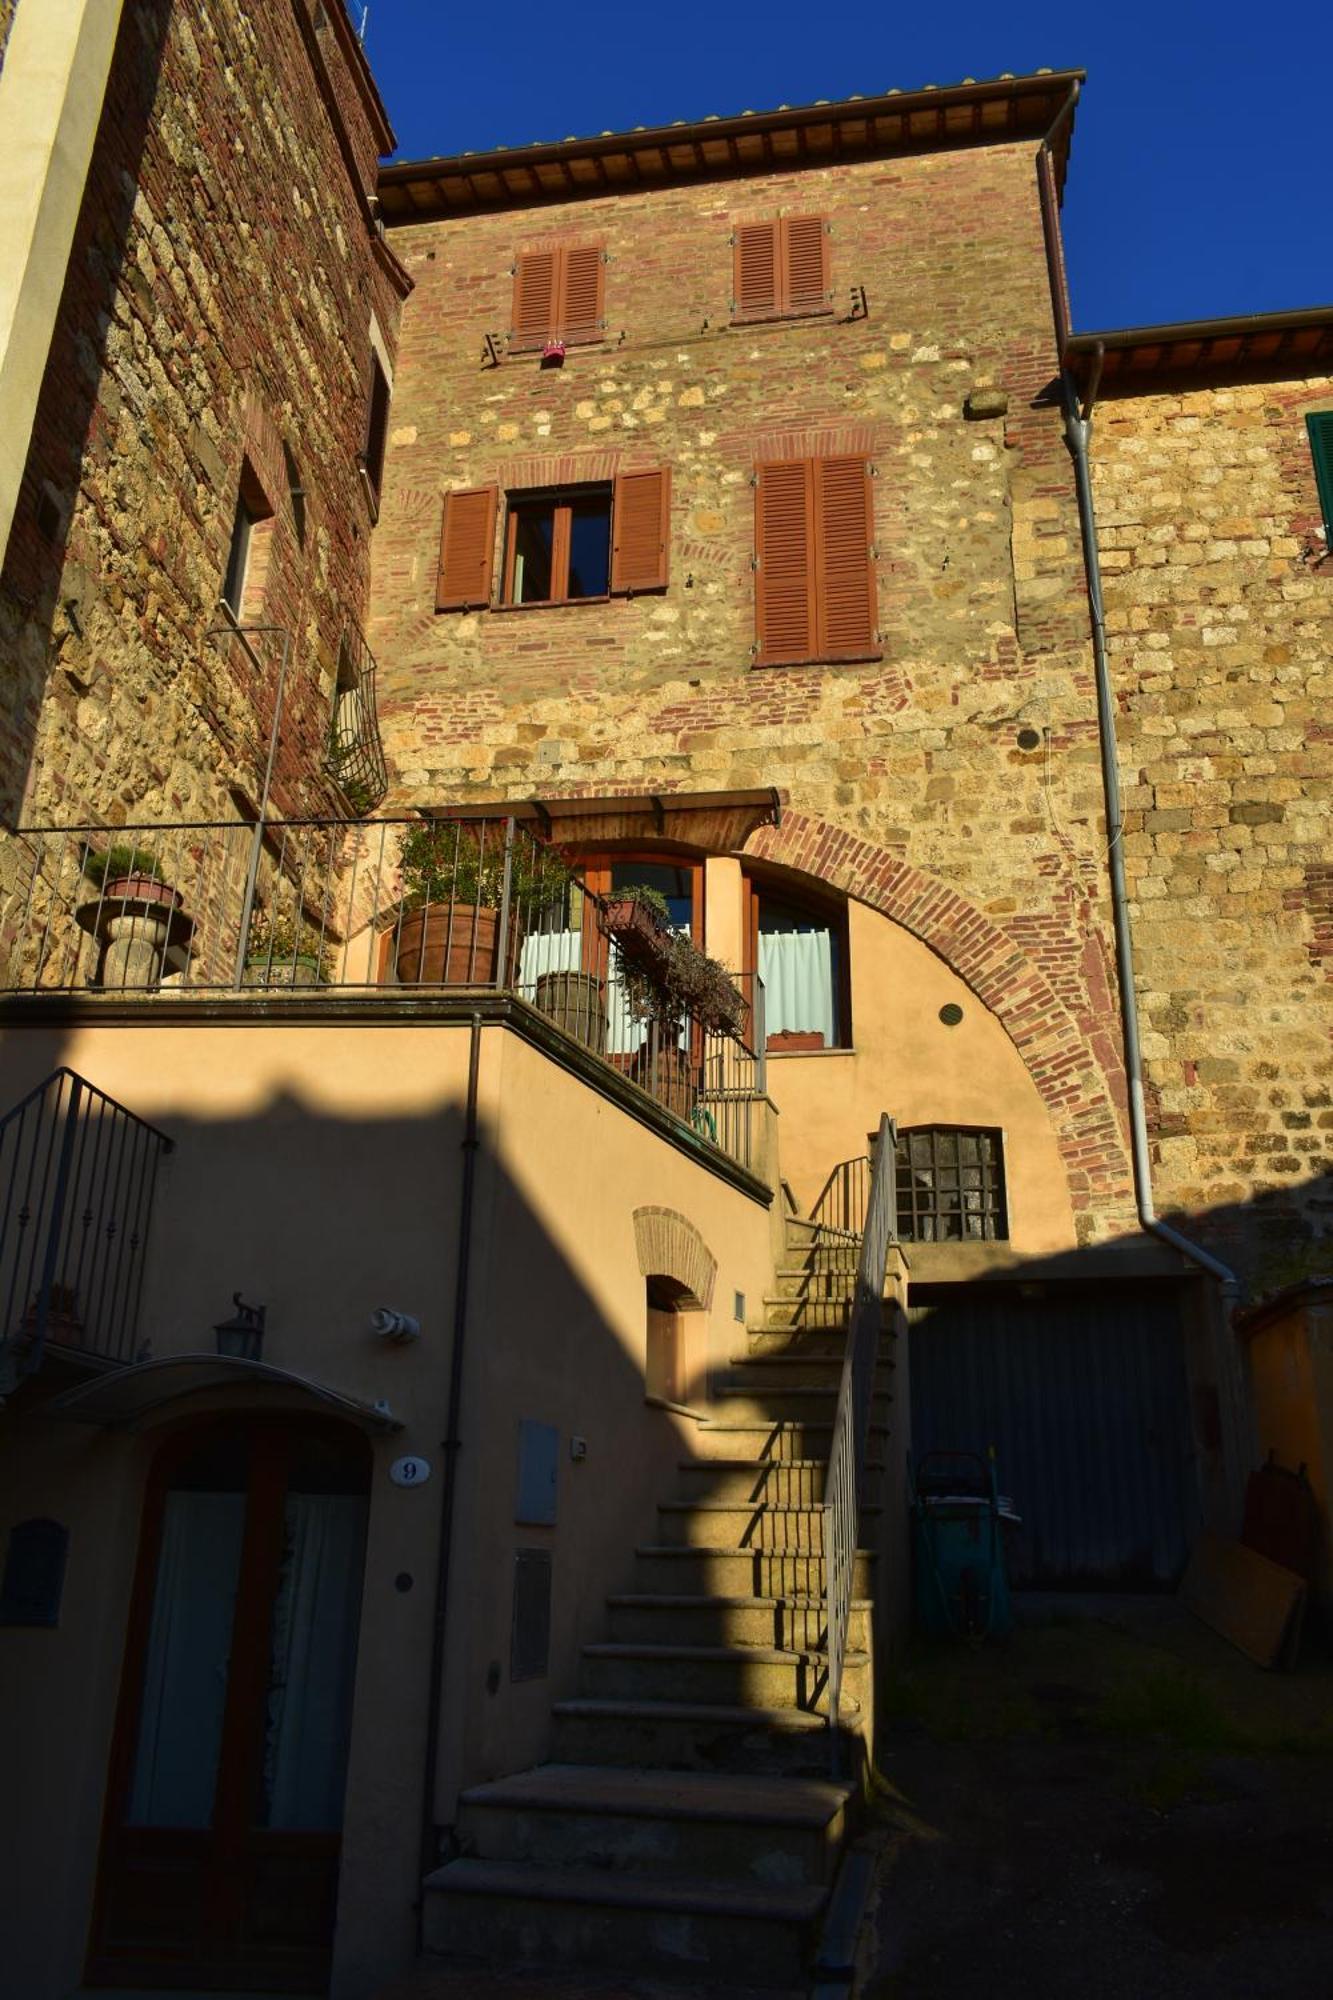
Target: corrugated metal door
[(1084, 1397)]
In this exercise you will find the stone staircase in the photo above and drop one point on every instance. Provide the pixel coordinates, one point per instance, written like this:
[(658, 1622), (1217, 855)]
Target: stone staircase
[(688, 1825)]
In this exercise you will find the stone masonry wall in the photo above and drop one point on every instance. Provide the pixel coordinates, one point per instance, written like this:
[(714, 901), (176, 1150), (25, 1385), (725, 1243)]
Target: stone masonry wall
[(903, 779), (218, 300), (1219, 593)]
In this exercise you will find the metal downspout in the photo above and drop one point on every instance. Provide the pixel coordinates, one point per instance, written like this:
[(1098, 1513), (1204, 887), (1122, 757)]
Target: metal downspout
[(451, 1444)]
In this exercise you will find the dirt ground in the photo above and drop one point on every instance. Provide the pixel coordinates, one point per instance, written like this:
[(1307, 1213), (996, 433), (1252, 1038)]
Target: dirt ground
[(1112, 1804)]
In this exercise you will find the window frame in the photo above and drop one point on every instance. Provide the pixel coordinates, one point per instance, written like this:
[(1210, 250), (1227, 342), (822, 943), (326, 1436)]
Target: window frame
[(1319, 432), (820, 903), (558, 329), (253, 520), (998, 1184), (375, 443), (562, 499), (782, 308), (819, 600)]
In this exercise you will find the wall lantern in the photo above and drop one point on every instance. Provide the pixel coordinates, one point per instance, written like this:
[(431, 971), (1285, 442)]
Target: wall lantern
[(241, 1337)]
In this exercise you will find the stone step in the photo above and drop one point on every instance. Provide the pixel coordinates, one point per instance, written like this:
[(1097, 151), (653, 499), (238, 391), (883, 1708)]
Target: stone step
[(699, 1736), (814, 1281), (763, 1677), (721, 1827), (769, 1527), (821, 1371), (818, 1340), (784, 1482), (786, 1403), (802, 1312), (519, 1914), (795, 1622), (680, 1570), (766, 1438)]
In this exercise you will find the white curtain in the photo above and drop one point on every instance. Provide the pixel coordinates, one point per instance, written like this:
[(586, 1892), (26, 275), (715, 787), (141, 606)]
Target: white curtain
[(547, 951), (185, 1672), (796, 967), (314, 1660)]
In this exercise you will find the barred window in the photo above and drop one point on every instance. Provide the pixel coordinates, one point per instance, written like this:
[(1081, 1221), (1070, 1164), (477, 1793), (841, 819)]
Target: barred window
[(950, 1185)]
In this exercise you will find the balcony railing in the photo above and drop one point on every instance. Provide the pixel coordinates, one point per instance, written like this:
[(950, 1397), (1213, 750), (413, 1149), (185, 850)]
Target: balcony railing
[(384, 907), (77, 1177)]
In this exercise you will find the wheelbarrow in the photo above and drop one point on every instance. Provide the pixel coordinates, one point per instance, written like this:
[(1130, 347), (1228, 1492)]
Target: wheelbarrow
[(961, 1582)]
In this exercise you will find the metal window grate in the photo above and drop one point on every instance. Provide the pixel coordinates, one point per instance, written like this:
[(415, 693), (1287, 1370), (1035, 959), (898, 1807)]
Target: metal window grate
[(950, 1185), (355, 755)]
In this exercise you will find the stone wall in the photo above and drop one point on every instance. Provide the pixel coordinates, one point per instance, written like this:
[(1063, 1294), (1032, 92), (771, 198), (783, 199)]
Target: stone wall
[(907, 769), (218, 300), (1219, 594)]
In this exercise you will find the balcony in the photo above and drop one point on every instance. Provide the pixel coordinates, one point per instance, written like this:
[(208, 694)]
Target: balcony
[(421, 910)]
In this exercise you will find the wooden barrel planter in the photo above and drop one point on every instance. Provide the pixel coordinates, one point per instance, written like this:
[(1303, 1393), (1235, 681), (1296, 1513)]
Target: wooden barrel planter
[(576, 1002)]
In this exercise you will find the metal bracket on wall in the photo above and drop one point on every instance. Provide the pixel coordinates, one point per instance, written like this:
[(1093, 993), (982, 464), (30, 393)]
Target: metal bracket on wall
[(860, 306), (491, 356)]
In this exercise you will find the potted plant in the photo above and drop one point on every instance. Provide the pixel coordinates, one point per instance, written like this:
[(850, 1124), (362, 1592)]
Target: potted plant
[(123, 874), (283, 949), (639, 920), (453, 874)]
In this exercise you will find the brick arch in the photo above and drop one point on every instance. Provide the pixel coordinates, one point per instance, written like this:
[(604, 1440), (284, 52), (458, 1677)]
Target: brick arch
[(1073, 1059), (670, 1246)]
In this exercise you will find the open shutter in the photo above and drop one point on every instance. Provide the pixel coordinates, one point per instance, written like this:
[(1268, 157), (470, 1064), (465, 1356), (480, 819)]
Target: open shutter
[(1319, 423), (640, 530), (755, 281), (579, 313), (784, 553), (804, 264), (845, 568), (467, 549), (536, 279)]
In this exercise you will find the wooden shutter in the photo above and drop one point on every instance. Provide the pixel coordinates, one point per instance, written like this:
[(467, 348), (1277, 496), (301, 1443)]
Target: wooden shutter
[(1319, 423), (467, 549), (536, 285), (804, 264), (755, 282), (578, 315), (640, 530), (845, 567), (785, 561)]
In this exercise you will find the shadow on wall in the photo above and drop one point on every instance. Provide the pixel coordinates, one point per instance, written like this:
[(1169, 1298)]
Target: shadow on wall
[(322, 1219), (44, 605)]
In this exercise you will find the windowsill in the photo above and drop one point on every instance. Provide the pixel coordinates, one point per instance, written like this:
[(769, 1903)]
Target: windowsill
[(805, 1055), (538, 347), (781, 319), (823, 660), (368, 487), (554, 603)]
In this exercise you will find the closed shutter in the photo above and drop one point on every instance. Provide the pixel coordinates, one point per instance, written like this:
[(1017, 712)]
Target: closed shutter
[(785, 562), (467, 549), (845, 571), (756, 282), (536, 276), (805, 264), (640, 530), (1319, 423), (579, 317)]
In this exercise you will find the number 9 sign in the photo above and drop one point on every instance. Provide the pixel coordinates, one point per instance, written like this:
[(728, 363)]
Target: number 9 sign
[(410, 1471)]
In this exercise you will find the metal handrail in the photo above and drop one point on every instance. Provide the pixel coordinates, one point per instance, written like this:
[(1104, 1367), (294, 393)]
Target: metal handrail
[(842, 1202), (77, 1177), (844, 1486)]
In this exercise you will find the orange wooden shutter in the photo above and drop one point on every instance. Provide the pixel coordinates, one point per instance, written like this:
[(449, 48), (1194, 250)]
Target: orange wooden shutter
[(755, 283), (578, 316), (536, 284), (785, 561), (844, 513), (804, 285), (640, 530), (467, 549)]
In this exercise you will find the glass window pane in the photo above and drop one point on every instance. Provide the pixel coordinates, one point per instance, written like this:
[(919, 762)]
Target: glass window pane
[(534, 533), (589, 548), (312, 1659)]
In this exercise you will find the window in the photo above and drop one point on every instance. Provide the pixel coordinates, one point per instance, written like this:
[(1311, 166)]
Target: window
[(780, 268), (557, 296), (248, 557), (561, 545), (950, 1185), (797, 943), (377, 427), (1319, 423), (814, 561)]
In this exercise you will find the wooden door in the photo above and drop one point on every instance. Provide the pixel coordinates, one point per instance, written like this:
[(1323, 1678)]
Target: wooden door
[(223, 1824)]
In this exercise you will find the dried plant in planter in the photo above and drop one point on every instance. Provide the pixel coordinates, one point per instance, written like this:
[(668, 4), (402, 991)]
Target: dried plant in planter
[(683, 983)]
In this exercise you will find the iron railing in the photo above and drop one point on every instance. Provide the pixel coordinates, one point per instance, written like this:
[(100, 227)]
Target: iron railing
[(844, 1199), (77, 1177), (424, 905), (844, 1489), (354, 757)]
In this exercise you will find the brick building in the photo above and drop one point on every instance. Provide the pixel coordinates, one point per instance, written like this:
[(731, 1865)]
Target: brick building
[(724, 506)]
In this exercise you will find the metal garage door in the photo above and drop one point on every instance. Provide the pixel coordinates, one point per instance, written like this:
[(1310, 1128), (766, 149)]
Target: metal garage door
[(1084, 1397)]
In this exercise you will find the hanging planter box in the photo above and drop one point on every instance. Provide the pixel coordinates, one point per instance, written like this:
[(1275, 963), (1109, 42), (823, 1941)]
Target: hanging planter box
[(642, 936)]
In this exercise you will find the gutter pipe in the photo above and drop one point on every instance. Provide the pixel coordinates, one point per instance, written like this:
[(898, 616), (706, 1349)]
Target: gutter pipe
[(451, 1445)]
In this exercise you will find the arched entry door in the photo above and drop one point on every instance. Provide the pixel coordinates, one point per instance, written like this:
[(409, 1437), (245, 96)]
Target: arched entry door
[(220, 1845)]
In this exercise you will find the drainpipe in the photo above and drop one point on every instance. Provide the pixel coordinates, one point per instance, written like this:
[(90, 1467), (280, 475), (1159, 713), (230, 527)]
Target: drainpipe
[(1236, 1450), (450, 1446)]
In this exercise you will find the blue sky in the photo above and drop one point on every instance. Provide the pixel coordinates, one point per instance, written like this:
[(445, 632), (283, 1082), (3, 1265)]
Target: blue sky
[(1200, 175)]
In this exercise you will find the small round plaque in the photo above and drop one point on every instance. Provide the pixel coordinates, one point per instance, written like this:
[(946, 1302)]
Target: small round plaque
[(410, 1471)]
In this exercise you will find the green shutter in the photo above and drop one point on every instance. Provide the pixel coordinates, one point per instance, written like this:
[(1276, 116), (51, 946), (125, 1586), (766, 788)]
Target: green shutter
[(1320, 426)]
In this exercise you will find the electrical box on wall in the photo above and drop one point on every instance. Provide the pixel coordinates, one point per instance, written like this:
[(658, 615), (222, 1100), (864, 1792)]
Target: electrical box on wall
[(538, 1453)]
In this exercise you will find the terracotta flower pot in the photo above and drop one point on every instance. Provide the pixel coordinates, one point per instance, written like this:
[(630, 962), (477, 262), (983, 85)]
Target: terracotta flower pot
[(140, 889), (796, 1040), (451, 944), (638, 930)]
